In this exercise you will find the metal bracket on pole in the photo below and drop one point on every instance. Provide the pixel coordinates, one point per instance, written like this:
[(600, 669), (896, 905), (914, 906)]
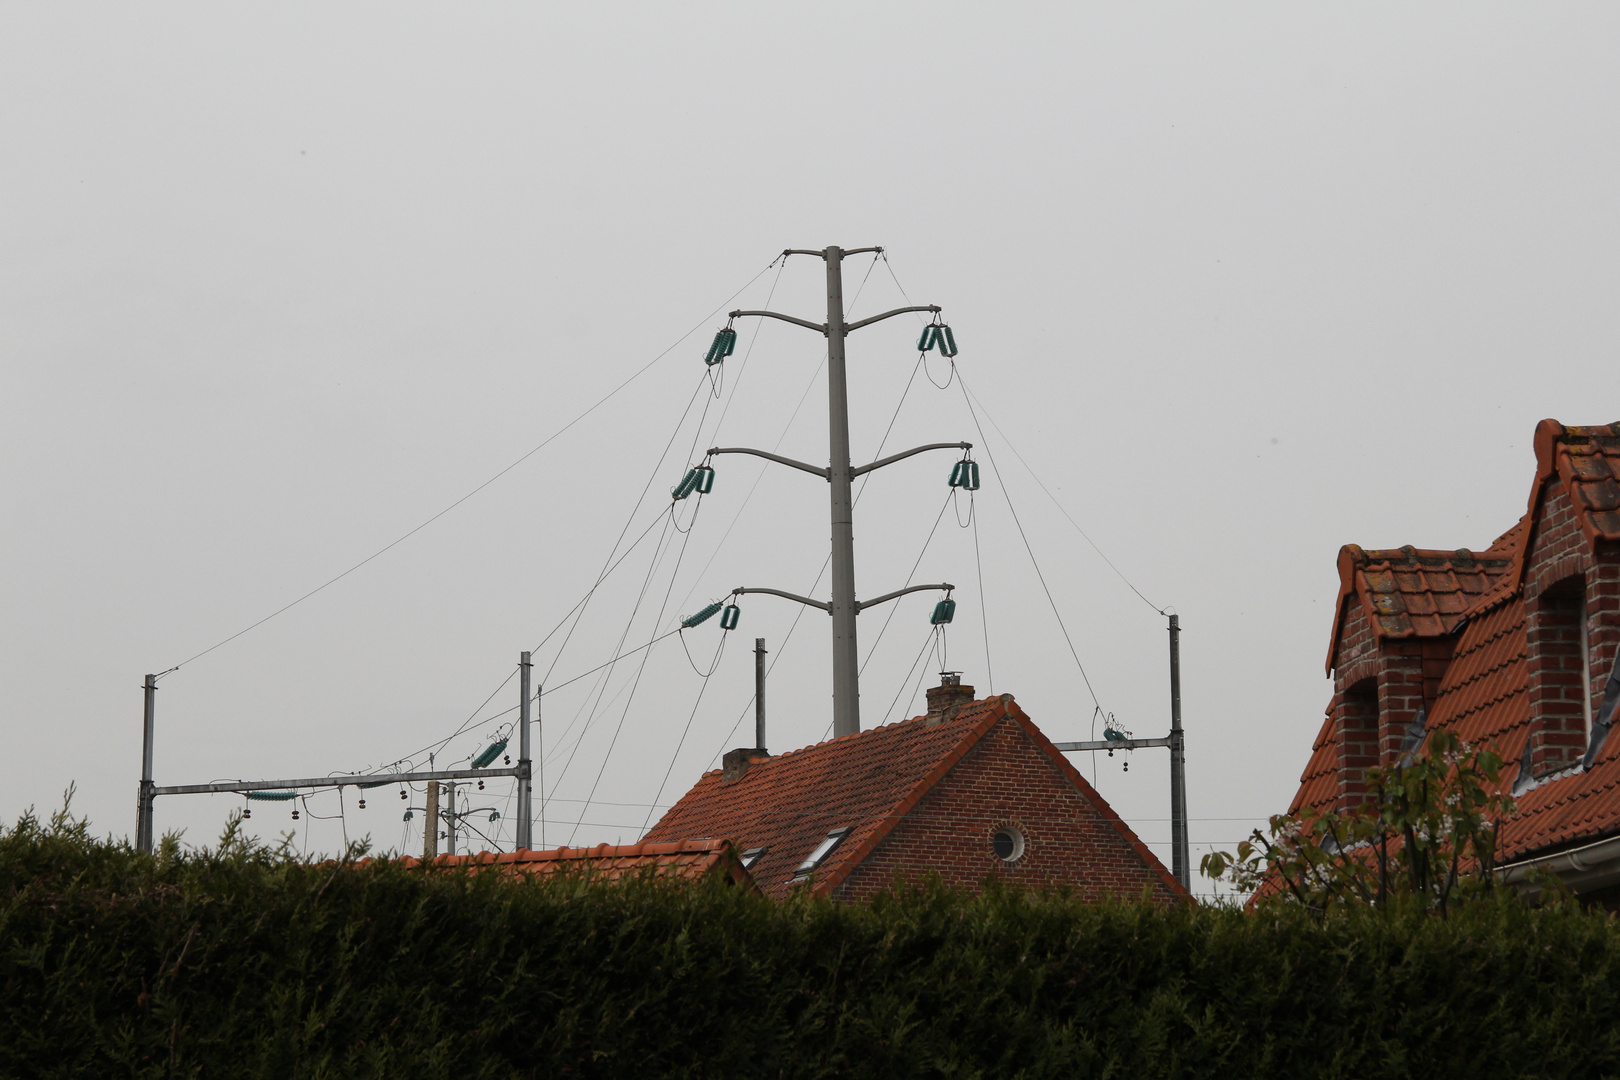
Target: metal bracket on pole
[(1111, 744), (820, 328), (889, 315), (862, 605), (805, 600), (778, 458), (892, 458), (347, 780)]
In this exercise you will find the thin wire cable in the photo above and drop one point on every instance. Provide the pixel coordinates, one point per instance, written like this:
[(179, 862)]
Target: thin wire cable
[(984, 612), (884, 628), (907, 680), (663, 608), (525, 457), (1042, 484), (1006, 494), (652, 568), (718, 653)]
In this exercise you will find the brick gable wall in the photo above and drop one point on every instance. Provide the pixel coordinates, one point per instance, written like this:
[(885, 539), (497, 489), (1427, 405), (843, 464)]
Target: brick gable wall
[(1005, 779), (1561, 568), (1378, 688)]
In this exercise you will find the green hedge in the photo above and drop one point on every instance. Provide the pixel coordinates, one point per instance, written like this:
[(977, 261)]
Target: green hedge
[(243, 963)]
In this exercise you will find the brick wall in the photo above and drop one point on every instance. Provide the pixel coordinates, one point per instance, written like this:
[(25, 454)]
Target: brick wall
[(1007, 780), (1554, 589), (1355, 721), (1379, 686)]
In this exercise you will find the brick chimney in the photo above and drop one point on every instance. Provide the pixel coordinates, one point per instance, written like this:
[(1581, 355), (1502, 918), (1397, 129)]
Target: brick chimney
[(736, 762), (947, 699)]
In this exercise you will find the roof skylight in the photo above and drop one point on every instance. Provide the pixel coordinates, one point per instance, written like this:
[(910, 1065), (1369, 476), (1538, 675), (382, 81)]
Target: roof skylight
[(751, 856), (823, 849)]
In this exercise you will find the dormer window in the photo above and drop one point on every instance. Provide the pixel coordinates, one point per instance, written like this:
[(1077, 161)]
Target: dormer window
[(823, 849)]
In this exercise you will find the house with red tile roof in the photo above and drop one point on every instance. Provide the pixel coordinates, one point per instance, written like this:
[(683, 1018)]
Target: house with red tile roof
[(686, 860), (971, 790), (1516, 645)]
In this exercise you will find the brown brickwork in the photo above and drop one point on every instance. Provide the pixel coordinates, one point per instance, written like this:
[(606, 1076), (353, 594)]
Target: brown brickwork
[(1005, 780), (1355, 723), (926, 795)]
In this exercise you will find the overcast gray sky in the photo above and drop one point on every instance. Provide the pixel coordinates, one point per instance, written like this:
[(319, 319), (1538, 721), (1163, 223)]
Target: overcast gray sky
[(278, 283)]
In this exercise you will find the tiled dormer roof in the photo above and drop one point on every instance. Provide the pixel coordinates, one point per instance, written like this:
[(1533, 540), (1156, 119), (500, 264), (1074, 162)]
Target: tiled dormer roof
[(686, 859), (1587, 460), (1413, 592), (866, 782)]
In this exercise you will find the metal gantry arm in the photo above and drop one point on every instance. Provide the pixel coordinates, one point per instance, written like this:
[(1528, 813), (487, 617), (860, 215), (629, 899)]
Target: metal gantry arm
[(862, 605), (892, 458), (805, 600), (351, 780), (820, 328), (778, 458), (890, 314)]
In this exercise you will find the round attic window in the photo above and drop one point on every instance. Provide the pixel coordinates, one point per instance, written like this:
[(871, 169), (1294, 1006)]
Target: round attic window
[(1008, 843)]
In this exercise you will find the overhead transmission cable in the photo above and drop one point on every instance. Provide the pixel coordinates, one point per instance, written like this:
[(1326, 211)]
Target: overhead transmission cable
[(1005, 494), (520, 460)]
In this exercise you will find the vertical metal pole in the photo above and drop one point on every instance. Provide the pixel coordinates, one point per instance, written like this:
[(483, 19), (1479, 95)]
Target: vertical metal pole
[(540, 735), (1180, 860), (759, 694), (525, 793), (846, 665), (450, 818), (430, 822), (144, 800)]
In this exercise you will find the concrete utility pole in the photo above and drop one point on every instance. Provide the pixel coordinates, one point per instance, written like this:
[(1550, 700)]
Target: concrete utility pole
[(525, 791), (843, 607), (143, 805), (1180, 859), (759, 694)]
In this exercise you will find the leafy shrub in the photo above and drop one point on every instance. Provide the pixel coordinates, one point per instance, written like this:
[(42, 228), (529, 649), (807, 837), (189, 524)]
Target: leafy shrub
[(246, 962)]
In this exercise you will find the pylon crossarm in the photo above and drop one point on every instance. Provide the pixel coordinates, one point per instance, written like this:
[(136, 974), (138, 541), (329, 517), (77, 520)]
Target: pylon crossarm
[(820, 328), (1111, 744), (824, 606), (372, 780), (778, 458), (892, 458), (852, 327), (862, 605)]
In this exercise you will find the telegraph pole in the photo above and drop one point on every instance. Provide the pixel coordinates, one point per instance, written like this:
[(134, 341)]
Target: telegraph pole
[(1180, 860), (759, 694), (143, 806), (525, 791), (843, 607)]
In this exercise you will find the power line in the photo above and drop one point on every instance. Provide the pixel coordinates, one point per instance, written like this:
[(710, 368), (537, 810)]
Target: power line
[(1033, 476), (526, 456)]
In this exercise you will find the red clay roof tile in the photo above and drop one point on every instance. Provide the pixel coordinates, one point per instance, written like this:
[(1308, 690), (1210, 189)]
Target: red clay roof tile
[(685, 859), (1415, 592), (866, 782)]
